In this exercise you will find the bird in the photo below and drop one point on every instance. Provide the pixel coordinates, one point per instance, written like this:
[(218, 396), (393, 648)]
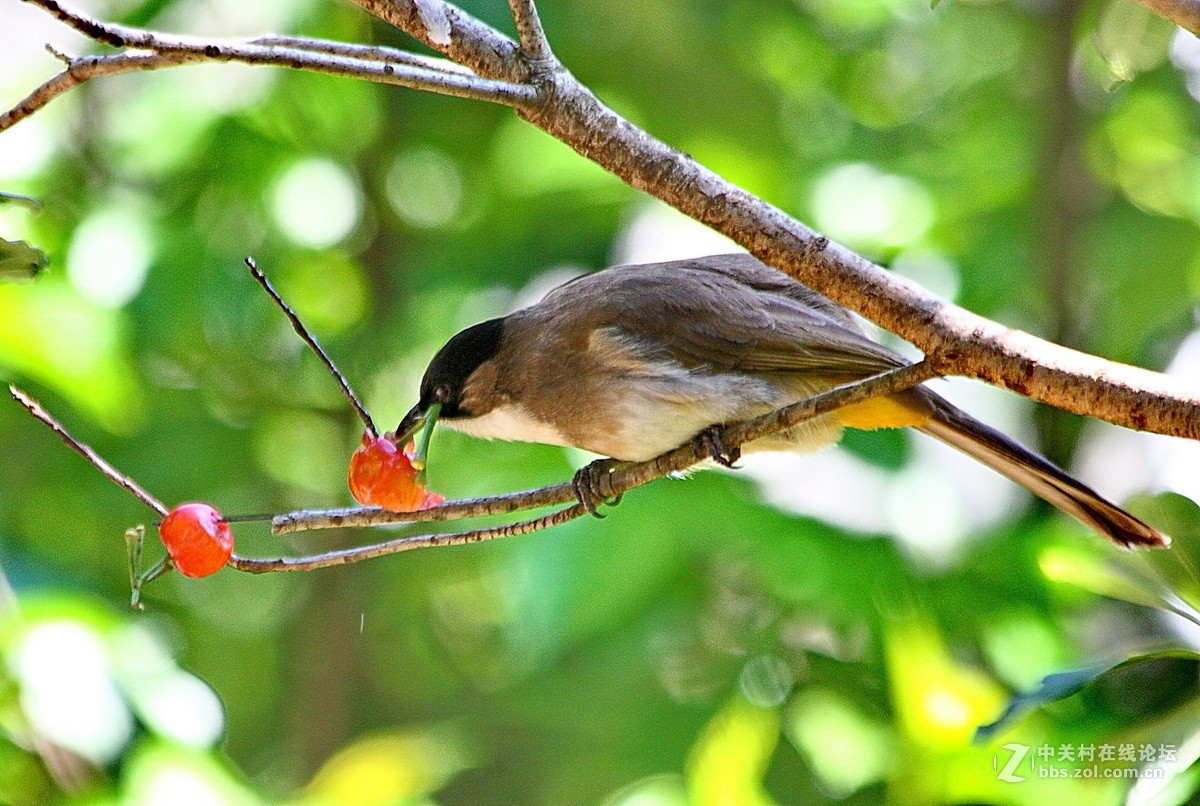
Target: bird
[(635, 360)]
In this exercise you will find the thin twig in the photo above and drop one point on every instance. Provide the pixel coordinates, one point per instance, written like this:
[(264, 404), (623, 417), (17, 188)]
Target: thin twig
[(58, 54), (80, 71), (625, 478), (311, 341), (35, 408), (374, 53), (357, 517), (529, 29), (330, 58), (353, 555)]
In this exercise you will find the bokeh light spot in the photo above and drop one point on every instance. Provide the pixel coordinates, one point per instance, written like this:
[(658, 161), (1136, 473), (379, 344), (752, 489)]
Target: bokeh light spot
[(316, 203), (67, 692), (109, 257), (425, 187), (868, 209)]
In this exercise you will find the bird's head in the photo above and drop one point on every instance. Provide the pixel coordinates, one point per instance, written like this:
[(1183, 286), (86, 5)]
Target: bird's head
[(459, 382)]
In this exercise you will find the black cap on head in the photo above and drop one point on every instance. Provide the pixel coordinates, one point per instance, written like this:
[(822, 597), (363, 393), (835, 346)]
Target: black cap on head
[(448, 371)]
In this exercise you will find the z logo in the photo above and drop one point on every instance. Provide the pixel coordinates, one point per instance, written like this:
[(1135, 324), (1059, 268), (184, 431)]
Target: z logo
[(1019, 751)]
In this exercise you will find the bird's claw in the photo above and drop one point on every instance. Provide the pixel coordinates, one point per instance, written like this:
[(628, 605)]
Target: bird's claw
[(710, 441), (593, 487)]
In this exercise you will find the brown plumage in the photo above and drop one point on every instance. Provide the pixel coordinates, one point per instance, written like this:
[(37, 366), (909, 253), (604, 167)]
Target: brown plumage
[(633, 361)]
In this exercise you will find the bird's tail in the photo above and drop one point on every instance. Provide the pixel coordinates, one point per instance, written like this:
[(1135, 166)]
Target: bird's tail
[(1037, 474)]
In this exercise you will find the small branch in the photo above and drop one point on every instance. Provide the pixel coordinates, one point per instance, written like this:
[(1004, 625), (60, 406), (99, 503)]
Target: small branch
[(529, 29), (617, 482), (467, 40), (35, 408), (311, 341), (354, 555), (625, 478), (1184, 13)]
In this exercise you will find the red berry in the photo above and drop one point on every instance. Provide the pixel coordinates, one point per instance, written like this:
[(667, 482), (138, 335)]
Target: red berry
[(197, 538), (382, 475)]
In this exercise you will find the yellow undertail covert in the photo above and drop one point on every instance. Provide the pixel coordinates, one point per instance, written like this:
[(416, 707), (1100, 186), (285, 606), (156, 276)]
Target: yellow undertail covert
[(886, 412)]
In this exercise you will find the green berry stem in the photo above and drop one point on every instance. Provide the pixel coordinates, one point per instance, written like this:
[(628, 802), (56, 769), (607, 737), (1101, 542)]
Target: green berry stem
[(134, 539), (431, 416), (158, 569)]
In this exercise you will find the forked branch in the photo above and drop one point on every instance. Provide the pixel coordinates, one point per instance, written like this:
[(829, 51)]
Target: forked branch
[(156, 51)]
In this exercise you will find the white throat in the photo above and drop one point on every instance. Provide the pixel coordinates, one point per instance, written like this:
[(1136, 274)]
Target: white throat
[(509, 422)]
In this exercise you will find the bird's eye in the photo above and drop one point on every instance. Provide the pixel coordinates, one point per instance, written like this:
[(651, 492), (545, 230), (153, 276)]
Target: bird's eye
[(441, 393)]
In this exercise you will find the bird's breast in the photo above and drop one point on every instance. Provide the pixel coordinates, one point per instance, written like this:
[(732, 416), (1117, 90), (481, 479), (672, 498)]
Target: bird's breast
[(512, 422)]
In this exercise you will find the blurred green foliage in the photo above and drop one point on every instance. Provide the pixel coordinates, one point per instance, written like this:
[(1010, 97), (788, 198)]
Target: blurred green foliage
[(1039, 162)]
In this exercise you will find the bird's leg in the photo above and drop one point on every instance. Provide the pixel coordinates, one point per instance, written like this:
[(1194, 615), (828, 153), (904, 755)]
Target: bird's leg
[(593, 487), (709, 441)]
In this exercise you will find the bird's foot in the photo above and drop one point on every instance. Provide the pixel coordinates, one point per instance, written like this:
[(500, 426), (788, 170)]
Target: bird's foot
[(709, 441), (593, 486)]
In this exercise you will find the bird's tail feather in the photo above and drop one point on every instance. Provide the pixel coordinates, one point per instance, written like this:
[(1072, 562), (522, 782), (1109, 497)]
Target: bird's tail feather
[(1037, 474)]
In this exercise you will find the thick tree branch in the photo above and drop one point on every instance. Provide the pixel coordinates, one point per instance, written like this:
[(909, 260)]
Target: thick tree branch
[(1184, 13), (966, 344)]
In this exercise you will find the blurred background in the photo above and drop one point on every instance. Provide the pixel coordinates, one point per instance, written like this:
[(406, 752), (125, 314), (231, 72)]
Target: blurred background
[(821, 629)]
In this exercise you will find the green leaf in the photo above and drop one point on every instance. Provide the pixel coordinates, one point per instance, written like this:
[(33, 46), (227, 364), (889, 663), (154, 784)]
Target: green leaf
[(1131, 39), (16, 198), (1125, 680), (1178, 567), (20, 261), (1139, 577)]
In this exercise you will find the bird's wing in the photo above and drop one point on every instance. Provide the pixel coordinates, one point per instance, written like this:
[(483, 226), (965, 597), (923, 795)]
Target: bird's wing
[(728, 318)]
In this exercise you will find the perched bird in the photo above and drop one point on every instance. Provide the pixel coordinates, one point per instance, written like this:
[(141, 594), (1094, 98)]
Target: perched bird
[(633, 361)]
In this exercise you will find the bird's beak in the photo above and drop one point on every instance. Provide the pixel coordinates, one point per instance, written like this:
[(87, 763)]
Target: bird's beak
[(423, 421), (408, 426)]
